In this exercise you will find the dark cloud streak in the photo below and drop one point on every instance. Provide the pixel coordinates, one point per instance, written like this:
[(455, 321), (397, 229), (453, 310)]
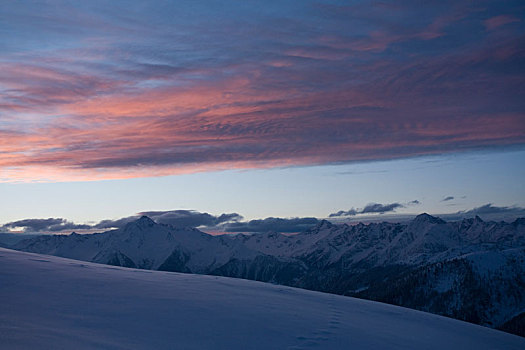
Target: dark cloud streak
[(489, 209), (372, 208), (380, 208), (44, 225)]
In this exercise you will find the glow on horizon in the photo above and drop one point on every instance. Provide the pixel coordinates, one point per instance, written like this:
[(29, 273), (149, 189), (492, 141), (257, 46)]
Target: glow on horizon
[(474, 179)]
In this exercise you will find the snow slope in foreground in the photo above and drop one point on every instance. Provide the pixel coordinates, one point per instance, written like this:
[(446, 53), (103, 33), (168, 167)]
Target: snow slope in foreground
[(51, 302)]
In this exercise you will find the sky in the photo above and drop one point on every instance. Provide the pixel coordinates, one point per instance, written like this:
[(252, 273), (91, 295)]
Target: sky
[(278, 110)]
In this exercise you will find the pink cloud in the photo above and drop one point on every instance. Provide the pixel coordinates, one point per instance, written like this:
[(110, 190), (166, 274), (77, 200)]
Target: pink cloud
[(232, 124), (334, 96), (498, 21)]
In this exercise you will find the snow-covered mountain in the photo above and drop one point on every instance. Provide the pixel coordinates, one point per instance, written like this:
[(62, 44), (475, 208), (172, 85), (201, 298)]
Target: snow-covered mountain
[(55, 303), (471, 269)]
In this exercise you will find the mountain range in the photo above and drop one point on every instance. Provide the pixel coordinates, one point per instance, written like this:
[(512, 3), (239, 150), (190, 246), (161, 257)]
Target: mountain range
[(470, 270)]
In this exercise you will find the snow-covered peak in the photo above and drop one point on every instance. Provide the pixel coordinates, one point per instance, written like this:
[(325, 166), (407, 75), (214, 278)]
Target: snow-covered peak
[(321, 226), (472, 221), (477, 219), (427, 218), (143, 222), (519, 222)]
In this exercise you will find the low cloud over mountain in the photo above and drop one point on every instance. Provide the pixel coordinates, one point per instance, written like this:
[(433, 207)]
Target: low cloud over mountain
[(272, 224), (191, 218), (233, 222), (226, 222)]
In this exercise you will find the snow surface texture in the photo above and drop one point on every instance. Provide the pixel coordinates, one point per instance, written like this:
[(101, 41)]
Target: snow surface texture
[(56, 303)]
